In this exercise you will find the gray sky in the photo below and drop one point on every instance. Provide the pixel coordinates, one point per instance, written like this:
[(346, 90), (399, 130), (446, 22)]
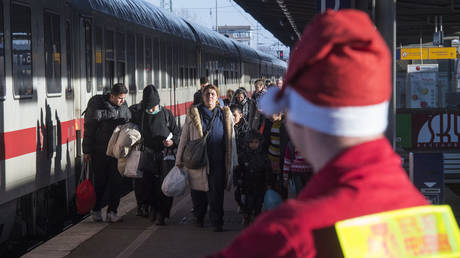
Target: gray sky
[(203, 12)]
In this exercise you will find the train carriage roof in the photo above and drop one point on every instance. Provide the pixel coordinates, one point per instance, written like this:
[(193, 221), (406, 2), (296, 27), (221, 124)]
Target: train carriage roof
[(214, 39), (139, 12), (247, 53)]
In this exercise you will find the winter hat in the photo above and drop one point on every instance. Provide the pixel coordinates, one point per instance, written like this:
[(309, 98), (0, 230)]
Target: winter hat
[(338, 80), (150, 97)]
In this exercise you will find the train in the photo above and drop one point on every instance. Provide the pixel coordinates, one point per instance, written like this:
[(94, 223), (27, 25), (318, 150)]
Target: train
[(56, 54)]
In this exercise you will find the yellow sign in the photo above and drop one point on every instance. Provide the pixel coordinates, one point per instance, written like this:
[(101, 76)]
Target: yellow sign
[(414, 53), (428, 53), (442, 53), (98, 57), (57, 57), (425, 231)]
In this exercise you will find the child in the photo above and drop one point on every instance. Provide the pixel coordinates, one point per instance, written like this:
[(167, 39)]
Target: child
[(251, 177), (296, 168), (241, 126), (276, 139)]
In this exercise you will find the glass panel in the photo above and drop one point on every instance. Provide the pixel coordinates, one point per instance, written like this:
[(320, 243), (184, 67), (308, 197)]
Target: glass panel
[(163, 64), (109, 57), (21, 36), (169, 66), (88, 55), (156, 62), (99, 64), (52, 52), (120, 48), (148, 60), (140, 61), (131, 59), (2, 55), (68, 45), (109, 45)]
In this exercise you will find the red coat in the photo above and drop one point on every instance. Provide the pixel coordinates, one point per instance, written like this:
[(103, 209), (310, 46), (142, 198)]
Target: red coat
[(364, 179)]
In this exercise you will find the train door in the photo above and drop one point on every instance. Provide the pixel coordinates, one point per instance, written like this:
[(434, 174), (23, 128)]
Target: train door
[(85, 55)]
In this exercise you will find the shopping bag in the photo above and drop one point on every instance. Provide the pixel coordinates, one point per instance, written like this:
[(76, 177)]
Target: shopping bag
[(174, 183), (132, 163), (271, 199), (85, 194)]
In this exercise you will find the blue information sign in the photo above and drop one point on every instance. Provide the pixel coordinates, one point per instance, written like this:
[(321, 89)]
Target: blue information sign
[(426, 171)]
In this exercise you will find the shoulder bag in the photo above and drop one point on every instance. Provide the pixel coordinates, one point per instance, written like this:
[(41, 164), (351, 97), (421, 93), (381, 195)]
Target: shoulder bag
[(195, 153)]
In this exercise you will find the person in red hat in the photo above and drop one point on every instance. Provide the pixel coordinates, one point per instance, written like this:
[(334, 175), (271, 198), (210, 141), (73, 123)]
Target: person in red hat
[(336, 95)]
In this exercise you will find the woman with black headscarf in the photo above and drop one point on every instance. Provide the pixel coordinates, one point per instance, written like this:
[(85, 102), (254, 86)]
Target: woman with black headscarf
[(159, 134)]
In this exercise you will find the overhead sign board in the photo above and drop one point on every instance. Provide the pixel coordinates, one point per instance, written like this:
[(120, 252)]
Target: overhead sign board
[(428, 53)]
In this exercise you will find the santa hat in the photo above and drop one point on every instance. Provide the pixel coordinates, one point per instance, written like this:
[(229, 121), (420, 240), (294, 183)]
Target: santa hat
[(338, 80)]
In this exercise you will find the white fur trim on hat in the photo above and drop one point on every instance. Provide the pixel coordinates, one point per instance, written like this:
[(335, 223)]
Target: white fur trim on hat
[(340, 121)]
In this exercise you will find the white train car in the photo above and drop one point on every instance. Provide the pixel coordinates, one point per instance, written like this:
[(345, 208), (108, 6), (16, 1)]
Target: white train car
[(56, 54)]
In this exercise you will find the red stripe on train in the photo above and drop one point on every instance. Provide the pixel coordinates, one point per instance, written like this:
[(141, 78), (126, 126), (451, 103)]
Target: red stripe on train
[(25, 141)]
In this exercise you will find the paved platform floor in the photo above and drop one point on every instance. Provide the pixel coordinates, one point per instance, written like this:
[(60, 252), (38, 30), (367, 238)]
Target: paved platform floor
[(138, 237)]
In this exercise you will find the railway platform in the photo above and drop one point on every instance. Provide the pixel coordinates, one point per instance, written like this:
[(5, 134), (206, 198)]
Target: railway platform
[(139, 237)]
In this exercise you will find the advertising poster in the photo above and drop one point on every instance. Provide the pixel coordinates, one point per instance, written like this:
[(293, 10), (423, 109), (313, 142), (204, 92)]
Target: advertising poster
[(422, 86)]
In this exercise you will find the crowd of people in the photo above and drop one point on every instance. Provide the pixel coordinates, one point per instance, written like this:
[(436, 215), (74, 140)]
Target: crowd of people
[(322, 128)]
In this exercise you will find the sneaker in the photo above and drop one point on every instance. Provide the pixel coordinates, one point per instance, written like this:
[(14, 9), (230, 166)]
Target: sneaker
[(97, 216), (113, 217)]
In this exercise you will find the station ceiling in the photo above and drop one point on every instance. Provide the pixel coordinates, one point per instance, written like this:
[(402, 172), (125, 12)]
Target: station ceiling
[(414, 18)]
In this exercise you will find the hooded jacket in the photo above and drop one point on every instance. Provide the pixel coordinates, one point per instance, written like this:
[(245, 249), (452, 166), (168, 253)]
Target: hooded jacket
[(249, 106), (101, 118)]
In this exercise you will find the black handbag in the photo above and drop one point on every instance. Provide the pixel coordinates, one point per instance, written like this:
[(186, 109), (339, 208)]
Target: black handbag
[(195, 153)]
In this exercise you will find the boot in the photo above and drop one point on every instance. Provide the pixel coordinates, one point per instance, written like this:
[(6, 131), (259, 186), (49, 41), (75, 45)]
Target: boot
[(153, 214)]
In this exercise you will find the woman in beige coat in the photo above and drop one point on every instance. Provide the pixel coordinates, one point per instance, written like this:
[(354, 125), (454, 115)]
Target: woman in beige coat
[(208, 183)]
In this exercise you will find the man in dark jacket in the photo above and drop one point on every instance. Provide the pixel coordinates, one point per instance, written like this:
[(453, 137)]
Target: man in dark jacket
[(102, 115), (250, 113), (160, 135)]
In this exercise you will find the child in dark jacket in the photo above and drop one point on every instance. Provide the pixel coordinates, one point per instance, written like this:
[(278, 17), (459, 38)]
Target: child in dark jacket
[(252, 176), (241, 127)]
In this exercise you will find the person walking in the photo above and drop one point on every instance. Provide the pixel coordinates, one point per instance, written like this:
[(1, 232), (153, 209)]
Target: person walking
[(208, 183), (102, 115), (159, 134), (197, 97)]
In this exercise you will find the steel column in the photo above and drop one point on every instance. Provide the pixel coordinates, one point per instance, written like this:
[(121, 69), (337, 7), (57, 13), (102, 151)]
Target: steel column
[(385, 20)]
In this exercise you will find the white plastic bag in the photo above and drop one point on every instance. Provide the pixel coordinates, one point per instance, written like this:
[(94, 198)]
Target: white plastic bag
[(132, 164), (175, 182)]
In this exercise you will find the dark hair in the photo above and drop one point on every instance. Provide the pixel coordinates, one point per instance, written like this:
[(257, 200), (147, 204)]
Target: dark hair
[(259, 82), (268, 82), (237, 107), (118, 88), (210, 87), (203, 80)]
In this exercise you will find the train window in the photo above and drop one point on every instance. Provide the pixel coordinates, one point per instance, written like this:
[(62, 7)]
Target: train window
[(131, 59), (68, 45), (52, 38), (120, 48), (109, 59), (140, 61), (163, 64), (88, 55), (156, 62), (169, 61), (21, 37), (2, 56), (148, 60), (99, 65)]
